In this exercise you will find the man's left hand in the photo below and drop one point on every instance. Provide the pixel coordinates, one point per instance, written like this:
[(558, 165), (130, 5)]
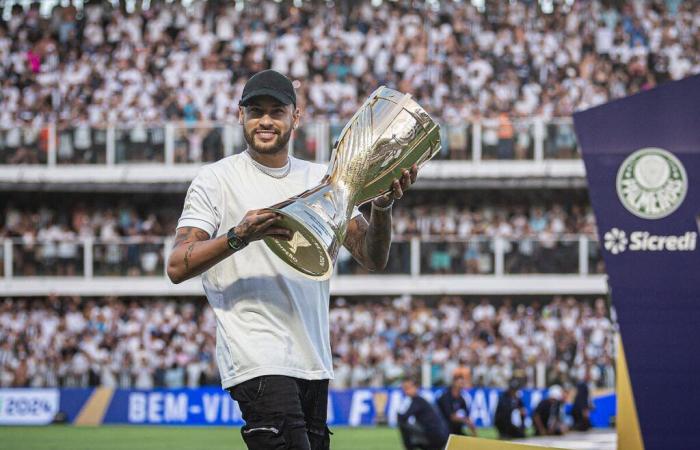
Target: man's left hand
[(398, 187)]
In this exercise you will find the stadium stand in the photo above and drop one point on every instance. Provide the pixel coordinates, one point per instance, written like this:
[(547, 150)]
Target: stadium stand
[(129, 236), (156, 91), (158, 342), (169, 62)]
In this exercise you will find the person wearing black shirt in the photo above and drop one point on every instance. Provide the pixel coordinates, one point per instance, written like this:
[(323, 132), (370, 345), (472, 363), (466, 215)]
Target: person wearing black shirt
[(548, 414), (581, 410), (454, 408), (420, 424), (508, 403)]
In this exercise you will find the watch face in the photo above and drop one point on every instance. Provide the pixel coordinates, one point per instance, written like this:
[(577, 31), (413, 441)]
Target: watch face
[(235, 242)]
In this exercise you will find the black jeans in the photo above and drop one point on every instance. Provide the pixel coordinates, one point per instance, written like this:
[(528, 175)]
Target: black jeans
[(283, 413)]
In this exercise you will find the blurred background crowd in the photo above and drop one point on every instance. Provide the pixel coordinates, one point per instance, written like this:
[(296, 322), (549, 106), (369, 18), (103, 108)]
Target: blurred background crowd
[(110, 342), (173, 63), (143, 343)]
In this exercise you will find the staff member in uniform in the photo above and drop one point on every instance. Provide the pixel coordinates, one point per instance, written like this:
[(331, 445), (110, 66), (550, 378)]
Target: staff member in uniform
[(548, 416), (273, 344), (510, 413), (582, 407), (454, 408), (421, 426)]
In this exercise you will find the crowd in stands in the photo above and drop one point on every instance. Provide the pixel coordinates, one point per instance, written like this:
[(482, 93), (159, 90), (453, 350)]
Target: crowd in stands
[(143, 343), (376, 344), (455, 238), (49, 238), (458, 238), (73, 342), (189, 64)]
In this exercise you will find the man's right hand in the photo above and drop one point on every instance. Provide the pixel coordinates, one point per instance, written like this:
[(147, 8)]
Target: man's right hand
[(184, 262), (261, 223), (194, 251)]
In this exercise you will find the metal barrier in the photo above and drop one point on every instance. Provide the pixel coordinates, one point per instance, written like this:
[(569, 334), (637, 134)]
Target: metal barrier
[(532, 139), (146, 256)]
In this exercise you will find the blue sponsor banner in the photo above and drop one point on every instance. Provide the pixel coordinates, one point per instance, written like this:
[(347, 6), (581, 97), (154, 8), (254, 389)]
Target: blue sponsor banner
[(353, 407), (27, 406), (642, 158)]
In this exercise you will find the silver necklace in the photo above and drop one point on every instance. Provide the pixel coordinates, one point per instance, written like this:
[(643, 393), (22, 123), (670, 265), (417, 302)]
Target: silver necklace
[(273, 172)]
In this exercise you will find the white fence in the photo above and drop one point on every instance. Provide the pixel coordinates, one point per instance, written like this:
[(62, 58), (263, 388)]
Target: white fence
[(532, 139), (415, 257)]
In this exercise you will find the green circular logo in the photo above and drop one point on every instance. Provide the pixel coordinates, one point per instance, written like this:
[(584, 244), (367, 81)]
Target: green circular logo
[(651, 183)]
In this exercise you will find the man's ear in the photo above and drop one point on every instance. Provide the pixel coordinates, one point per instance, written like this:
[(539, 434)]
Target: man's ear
[(296, 116), (241, 113)]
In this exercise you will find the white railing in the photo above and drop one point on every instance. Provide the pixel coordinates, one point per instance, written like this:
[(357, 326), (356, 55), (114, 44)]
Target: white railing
[(416, 257), (532, 139)]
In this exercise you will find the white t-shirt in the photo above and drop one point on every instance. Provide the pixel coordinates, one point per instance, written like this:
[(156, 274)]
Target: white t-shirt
[(271, 320)]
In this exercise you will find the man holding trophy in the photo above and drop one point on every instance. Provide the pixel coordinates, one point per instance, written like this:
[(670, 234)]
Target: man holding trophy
[(265, 228)]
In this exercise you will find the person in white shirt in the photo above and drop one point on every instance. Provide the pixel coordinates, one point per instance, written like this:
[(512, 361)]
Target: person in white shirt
[(273, 343)]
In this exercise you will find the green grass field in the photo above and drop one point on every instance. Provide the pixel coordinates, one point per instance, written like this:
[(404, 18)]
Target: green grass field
[(176, 438)]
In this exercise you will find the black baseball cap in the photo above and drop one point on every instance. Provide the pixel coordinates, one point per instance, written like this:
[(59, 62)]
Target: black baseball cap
[(271, 83)]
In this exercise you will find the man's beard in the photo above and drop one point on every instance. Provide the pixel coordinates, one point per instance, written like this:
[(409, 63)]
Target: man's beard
[(278, 145)]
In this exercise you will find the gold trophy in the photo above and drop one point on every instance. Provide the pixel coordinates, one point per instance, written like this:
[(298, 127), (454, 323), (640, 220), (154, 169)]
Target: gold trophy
[(388, 134), (380, 399)]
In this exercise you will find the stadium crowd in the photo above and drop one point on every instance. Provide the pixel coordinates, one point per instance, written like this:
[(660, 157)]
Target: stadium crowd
[(49, 237), (188, 64), (377, 343), (455, 238), (144, 343), (459, 239)]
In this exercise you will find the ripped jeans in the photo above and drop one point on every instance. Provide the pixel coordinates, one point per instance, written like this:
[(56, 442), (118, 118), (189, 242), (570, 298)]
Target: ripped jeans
[(282, 412)]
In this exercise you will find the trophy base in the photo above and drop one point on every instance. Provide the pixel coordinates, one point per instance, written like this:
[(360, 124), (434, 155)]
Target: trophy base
[(312, 248)]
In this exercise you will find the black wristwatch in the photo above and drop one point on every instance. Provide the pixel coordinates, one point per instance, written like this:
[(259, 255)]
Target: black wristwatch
[(235, 241)]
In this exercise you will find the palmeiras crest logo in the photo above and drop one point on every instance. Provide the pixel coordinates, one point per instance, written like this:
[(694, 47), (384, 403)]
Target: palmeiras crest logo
[(651, 183)]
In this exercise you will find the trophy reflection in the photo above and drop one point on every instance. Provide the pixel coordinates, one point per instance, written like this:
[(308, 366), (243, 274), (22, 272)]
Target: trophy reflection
[(388, 134)]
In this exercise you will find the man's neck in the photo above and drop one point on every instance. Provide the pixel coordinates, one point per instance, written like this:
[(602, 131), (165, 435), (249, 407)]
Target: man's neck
[(456, 392), (273, 160)]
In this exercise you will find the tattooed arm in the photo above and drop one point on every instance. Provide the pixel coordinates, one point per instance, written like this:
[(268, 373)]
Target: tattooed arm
[(369, 242), (194, 253)]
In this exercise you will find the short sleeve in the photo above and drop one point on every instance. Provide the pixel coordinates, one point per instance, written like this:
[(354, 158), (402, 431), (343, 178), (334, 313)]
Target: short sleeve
[(201, 208)]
